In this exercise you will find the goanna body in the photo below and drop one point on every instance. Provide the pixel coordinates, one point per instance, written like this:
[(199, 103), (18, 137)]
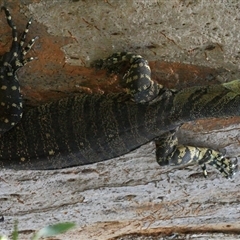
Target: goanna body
[(90, 128), (86, 129), (81, 130)]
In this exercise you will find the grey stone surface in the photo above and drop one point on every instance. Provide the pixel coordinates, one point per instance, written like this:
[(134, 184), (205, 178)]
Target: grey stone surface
[(198, 32)]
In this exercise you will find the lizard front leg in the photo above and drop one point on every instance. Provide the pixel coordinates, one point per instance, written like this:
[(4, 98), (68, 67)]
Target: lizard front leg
[(169, 152), (137, 79), (11, 108)]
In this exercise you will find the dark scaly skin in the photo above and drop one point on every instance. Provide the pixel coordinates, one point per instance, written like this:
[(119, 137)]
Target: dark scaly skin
[(86, 129)]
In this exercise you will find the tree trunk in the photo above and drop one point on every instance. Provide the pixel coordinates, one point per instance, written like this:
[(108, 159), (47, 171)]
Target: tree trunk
[(129, 197)]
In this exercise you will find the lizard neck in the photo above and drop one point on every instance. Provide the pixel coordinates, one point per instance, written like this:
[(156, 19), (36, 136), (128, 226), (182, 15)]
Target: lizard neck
[(206, 102)]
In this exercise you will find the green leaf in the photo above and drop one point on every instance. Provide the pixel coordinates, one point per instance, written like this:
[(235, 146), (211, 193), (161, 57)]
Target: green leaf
[(15, 231), (53, 230)]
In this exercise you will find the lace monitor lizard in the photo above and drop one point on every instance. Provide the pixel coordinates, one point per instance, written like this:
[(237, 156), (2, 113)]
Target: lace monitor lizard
[(86, 129)]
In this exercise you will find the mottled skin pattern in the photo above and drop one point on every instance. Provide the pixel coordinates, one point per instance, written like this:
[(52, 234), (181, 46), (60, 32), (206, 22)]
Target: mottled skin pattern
[(86, 129)]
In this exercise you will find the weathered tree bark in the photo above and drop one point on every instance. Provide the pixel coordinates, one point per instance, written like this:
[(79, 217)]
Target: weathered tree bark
[(127, 195)]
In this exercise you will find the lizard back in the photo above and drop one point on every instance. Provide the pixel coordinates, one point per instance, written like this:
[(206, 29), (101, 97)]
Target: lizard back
[(80, 130)]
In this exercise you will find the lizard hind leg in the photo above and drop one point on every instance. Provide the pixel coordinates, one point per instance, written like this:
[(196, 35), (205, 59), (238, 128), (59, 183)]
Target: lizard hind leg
[(11, 106), (15, 57)]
